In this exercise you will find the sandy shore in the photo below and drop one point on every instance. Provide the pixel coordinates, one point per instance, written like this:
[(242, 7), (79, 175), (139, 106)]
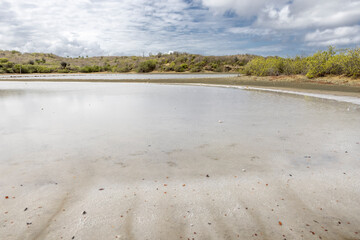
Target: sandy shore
[(274, 191), (250, 205), (130, 201)]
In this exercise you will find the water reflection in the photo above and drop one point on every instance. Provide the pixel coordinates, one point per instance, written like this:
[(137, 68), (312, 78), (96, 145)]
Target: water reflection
[(44, 121)]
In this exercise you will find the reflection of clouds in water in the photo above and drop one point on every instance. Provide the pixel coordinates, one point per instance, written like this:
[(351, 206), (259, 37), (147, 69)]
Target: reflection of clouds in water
[(89, 117)]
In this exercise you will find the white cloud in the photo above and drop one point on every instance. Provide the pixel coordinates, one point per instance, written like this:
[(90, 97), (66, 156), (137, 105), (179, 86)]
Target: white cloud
[(305, 14), (285, 14), (265, 50), (338, 36), (314, 23), (251, 31), (86, 27), (127, 27), (244, 8)]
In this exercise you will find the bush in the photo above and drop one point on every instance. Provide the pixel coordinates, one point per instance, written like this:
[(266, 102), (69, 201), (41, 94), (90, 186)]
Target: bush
[(195, 69), (44, 69), (6, 65), (317, 64), (260, 66), (181, 68), (351, 63), (123, 69), (4, 60), (335, 65), (146, 66), (19, 68), (9, 70), (322, 63), (86, 69), (170, 67), (90, 69), (64, 70), (107, 67), (291, 66)]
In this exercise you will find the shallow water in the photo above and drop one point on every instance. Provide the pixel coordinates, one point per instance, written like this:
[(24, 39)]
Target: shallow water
[(40, 118), (209, 149)]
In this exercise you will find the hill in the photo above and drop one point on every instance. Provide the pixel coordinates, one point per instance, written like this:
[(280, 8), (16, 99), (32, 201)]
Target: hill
[(17, 62)]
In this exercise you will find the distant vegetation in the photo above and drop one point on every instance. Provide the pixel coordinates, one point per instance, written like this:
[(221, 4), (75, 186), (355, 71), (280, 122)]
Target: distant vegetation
[(345, 62), (16, 62)]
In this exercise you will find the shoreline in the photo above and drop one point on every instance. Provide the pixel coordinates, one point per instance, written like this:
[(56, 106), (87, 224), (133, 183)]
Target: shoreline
[(337, 96)]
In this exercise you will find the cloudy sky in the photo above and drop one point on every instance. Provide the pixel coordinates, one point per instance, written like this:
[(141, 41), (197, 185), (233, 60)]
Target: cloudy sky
[(209, 27)]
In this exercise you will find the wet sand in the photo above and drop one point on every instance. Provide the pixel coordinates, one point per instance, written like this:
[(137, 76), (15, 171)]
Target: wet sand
[(205, 164)]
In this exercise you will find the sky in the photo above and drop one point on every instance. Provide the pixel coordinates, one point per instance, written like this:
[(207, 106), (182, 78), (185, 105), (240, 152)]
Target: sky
[(209, 27)]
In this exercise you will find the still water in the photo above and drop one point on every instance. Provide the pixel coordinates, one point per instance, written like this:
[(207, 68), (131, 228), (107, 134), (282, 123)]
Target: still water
[(49, 120)]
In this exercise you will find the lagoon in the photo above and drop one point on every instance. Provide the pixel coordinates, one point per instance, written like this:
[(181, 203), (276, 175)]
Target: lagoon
[(164, 161)]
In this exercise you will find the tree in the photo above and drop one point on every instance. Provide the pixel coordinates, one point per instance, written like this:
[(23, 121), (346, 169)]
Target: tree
[(63, 64)]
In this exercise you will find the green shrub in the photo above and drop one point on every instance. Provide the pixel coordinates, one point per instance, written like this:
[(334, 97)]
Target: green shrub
[(351, 63), (6, 65), (260, 66), (221, 69), (45, 69), (291, 66), (64, 70), (146, 66), (181, 68), (195, 69), (318, 63), (4, 60), (171, 67), (335, 65), (90, 69), (214, 66), (19, 68), (86, 69), (322, 63), (107, 67), (123, 69)]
